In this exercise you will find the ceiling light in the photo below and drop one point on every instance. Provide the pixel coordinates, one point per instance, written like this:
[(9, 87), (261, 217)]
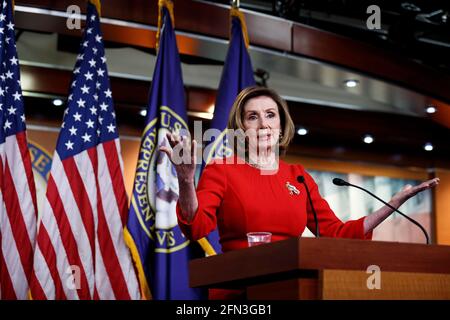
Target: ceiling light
[(302, 131), (368, 139), (430, 109), (57, 102), (351, 83), (428, 146), (143, 112)]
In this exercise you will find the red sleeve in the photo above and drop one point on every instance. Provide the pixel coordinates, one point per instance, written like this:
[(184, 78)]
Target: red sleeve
[(210, 192), (330, 225)]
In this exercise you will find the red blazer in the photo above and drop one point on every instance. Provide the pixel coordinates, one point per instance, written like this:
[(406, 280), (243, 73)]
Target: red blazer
[(238, 199)]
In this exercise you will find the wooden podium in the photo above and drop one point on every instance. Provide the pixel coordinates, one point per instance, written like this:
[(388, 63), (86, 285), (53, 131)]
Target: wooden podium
[(328, 268)]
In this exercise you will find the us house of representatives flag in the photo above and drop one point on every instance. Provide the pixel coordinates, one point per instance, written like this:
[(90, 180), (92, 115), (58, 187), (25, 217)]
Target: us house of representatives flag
[(81, 252), (18, 209), (160, 250), (237, 74)]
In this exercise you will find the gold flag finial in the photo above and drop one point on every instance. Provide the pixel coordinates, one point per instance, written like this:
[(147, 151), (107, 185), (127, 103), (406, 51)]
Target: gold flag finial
[(169, 5)]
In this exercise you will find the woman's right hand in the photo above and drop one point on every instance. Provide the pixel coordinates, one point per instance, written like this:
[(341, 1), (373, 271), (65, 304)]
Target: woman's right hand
[(182, 154)]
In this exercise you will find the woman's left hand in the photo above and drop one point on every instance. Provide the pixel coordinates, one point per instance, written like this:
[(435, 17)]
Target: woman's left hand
[(409, 191), (397, 200)]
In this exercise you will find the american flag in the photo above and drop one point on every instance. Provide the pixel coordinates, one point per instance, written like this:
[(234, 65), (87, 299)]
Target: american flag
[(17, 190), (81, 253)]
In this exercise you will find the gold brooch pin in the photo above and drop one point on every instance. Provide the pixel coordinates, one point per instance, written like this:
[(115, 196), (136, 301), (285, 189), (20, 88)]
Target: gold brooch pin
[(292, 189)]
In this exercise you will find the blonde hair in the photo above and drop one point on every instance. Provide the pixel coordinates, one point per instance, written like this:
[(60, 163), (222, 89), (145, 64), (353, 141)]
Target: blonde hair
[(235, 120)]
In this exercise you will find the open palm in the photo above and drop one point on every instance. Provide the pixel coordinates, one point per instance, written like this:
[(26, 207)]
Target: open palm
[(182, 153)]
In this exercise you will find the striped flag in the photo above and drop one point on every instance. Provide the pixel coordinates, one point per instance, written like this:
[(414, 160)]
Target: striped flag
[(17, 190), (81, 253)]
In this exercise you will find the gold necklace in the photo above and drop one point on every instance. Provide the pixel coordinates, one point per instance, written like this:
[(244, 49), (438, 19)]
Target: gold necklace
[(259, 166)]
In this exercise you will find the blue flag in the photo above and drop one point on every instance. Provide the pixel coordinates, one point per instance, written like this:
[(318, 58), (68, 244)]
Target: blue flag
[(160, 250), (237, 72), (237, 75)]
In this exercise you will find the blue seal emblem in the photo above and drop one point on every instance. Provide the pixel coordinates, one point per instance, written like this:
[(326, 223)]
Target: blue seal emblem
[(156, 185)]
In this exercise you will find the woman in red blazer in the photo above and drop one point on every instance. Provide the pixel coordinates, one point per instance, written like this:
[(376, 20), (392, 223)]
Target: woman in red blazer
[(255, 190)]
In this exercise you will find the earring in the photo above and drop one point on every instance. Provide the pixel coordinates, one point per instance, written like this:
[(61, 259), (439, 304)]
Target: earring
[(281, 135)]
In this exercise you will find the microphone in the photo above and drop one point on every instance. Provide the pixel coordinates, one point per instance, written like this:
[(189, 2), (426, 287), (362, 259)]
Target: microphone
[(340, 182), (301, 179)]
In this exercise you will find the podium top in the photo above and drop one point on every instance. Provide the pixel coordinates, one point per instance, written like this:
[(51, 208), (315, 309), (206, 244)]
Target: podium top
[(306, 256)]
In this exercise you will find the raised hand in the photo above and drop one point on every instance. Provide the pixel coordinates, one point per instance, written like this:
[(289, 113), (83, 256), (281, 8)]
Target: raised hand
[(409, 191), (182, 153)]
